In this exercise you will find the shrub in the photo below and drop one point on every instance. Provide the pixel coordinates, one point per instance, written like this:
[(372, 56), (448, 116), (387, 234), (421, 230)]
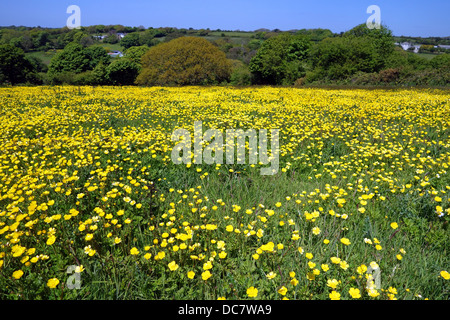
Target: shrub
[(14, 67), (299, 82), (130, 40), (389, 75), (278, 61), (240, 76), (122, 72), (135, 53), (340, 58), (74, 58), (184, 61)]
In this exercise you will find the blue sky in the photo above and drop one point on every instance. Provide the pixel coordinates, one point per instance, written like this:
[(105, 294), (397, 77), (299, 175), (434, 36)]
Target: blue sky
[(409, 18)]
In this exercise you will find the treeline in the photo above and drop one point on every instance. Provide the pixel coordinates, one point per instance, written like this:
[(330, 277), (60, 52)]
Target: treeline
[(170, 56)]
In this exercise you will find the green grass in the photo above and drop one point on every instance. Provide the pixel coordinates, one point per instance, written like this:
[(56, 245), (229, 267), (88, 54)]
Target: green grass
[(44, 56), (427, 56), (111, 47), (232, 34), (108, 134)]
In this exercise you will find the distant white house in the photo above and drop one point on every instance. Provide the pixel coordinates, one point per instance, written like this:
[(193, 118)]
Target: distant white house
[(407, 45), (116, 54), (101, 37)]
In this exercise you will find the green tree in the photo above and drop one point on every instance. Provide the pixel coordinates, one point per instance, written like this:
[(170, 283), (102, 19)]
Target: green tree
[(37, 64), (75, 58), (339, 58), (86, 41), (441, 61), (184, 61), (281, 59), (316, 34), (96, 55), (130, 40), (23, 42), (111, 39), (14, 67), (99, 75), (240, 75), (40, 41), (72, 59), (358, 50), (148, 37), (380, 40), (135, 53), (122, 72), (254, 44)]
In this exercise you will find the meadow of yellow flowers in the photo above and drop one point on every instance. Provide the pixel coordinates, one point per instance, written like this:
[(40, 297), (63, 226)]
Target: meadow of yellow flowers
[(93, 207)]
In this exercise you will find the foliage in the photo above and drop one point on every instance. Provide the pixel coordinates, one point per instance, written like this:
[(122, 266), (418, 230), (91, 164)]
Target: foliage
[(381, 40), (316, 34), (184, 61), (339, 58), (364, 53), (135, 53), (130, 40), (96, 55), (122, 72), (14, 66), (240, 75), (75, 59), (279, 60), (441, 61), (111, 38)]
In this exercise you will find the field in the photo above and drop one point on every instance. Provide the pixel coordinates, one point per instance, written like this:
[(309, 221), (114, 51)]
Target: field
[(44, 56), (92, 206), (427, 56)]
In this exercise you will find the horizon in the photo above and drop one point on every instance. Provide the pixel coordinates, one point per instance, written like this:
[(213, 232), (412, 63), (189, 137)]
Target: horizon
[(212, 30), (410, 19)]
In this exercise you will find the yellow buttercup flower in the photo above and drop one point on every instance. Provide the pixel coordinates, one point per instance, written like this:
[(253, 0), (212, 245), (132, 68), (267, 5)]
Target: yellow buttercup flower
[(17, 274), (333, 283), (252, 292), (52, 283), (206, 275), (444, 274), (134, 251), (335, 295), (51, 240), (282, 290), (17, 250), (325, 267), (354, 293), (173, 266), (335, 260)]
